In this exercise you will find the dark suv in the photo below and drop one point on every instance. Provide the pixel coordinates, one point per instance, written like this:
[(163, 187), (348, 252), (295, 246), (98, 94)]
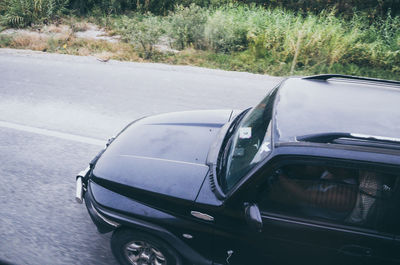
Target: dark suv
[(311, 175)]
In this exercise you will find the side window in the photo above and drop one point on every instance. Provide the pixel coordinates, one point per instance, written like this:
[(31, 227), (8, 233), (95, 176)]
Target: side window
[(341, 195)]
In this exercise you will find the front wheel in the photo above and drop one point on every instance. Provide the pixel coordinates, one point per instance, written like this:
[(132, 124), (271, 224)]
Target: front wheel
[(136, 248)]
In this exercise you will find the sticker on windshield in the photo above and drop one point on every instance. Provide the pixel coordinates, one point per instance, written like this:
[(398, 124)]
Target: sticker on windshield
[(245, 133)]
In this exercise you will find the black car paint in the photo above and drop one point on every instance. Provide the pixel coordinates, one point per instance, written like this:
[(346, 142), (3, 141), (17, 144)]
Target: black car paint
[(282, 234), (165, 212), (177, 143), (137, 215), (136, 181), (311, 107)]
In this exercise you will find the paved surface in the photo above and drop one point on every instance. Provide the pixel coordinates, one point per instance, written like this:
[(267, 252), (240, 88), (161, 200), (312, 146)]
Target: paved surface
[(55, 112)]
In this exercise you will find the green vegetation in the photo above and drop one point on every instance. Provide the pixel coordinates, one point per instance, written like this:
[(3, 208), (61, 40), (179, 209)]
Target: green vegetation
[(186, 27), (278, 42), (21, 13), (143, 31), (224, 34), (162, 7), (371, 8)]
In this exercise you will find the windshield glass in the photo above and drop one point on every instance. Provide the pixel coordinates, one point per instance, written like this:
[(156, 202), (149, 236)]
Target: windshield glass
[(248, 145)]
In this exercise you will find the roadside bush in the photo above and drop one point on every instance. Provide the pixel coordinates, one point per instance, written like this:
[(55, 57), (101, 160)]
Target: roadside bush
[(2, 7), (226, 29), (186, 26), (159, 7), (237, 36), (377, 45), (318, 40), (385, 29), (100, 7), (325, 41), (20, 13), (372, 8), (5, 41), (143, 31)]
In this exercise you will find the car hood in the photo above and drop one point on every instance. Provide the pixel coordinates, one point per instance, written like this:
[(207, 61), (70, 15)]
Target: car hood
[(164, 154)]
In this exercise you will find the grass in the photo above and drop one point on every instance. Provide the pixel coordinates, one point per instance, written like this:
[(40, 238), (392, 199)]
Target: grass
[(238, 38), (238, 61), (5, 41), (279, 42), (68, 44), (22, 13), (242, 61)]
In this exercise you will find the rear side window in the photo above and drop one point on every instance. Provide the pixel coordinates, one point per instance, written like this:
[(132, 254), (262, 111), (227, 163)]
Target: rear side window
[(340, 195)]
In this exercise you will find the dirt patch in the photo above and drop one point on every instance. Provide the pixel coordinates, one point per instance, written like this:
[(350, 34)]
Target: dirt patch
[(38, 38), (80, 38), (46, 31), (164, 46), (93, 32), (30, 40), (103, 56), (83, 31)]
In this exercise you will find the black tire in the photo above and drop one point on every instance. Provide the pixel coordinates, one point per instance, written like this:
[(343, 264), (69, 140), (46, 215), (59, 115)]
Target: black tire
[(123, 239)]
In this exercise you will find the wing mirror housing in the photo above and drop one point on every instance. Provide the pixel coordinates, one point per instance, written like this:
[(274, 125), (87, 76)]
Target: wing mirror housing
[(253, 216)]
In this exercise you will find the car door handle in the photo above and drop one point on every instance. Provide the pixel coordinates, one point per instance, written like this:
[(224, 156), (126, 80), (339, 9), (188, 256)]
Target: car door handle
[(355, 250)]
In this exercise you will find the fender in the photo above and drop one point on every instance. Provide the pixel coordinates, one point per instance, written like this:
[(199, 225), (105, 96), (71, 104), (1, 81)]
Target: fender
[(118, 219)]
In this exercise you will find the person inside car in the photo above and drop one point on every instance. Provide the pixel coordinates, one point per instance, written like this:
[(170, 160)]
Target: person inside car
[(369, 187), (325, 193)]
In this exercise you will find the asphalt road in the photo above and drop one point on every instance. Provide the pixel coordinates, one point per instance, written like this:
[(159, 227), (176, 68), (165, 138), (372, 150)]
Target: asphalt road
[(55, 113)]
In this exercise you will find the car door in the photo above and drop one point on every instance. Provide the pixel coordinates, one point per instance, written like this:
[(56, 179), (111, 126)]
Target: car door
[(297, 235), (325, 229)]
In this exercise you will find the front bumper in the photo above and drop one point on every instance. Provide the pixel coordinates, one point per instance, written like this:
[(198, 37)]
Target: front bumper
[(103, 223)]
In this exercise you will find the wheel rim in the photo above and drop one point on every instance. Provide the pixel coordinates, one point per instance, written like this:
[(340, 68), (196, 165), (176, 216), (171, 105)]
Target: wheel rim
[(143, 253)]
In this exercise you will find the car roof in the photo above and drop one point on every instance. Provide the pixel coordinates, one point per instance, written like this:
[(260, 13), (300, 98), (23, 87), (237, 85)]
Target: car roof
[(325, 106)]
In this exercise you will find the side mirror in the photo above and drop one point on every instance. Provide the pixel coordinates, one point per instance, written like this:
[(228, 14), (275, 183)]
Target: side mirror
[(253, 216)]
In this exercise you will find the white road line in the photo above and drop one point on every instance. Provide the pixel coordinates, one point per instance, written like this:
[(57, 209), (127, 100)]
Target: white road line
[(65, 136)]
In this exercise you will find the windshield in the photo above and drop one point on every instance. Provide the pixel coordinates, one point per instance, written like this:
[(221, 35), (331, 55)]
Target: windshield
[(249, 144)]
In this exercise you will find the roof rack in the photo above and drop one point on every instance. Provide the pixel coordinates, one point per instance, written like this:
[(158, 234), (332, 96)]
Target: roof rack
[(325, 77), (329, 137), (352, 139)]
